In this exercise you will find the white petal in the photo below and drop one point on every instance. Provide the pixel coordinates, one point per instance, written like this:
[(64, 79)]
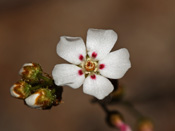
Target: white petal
[(31, 100), (100, 42), (99, 86), (13, 93), (115, 64), (68, 74), (71, 49)]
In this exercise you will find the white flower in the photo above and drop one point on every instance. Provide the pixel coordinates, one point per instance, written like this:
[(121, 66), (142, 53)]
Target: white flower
[(91, 64)]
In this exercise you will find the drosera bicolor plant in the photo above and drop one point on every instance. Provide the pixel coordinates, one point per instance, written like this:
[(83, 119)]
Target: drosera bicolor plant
[(91, 65)]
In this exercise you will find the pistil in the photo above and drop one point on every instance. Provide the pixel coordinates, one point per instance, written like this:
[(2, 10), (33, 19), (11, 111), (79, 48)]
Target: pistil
[(89, 65)]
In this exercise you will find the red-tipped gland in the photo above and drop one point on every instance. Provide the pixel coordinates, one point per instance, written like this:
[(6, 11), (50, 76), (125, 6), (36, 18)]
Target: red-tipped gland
[(94, 54), (81, 57), (80, 72), (101, 66), (93, 77)]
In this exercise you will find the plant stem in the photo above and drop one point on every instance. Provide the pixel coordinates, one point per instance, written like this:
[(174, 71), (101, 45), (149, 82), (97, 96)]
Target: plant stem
[(53, 91), (104, 107), (131, 108), (47, 80), (34, 88)]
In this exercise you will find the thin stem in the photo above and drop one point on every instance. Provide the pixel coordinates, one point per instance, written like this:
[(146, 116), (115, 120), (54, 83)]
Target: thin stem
[(34, 88), (47, 80), (104, 107), (53, 91), (131, 108)]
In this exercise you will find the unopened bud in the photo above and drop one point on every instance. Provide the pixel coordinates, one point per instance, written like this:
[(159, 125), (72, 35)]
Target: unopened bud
[(31, 72), (115, 119), (20, 89), (42, 99), (145, 125)]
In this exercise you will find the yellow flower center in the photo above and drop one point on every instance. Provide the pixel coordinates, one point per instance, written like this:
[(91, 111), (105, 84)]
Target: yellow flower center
[(89, 65)]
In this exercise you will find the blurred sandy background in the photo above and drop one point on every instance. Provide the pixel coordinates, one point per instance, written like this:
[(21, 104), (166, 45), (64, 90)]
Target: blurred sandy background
[(30, 30)]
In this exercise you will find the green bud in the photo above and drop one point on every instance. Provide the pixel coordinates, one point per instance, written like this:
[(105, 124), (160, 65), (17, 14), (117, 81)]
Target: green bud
[(20, 89), (31, 72)]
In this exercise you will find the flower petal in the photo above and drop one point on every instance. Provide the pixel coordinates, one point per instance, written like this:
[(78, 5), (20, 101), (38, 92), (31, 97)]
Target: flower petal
[(97, 86), (68, 74), (100, 42), (115, 64), (71, 49)]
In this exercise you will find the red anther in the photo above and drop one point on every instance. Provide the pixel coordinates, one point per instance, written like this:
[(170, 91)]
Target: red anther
[(80, 72), (81, 57), (94, 54), (93, 77), (101, 66)]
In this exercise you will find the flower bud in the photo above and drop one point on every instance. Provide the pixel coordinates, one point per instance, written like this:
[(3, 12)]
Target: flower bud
[(115, 120), (31, 72), (145, 125), (42, 99), (20, 89)]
